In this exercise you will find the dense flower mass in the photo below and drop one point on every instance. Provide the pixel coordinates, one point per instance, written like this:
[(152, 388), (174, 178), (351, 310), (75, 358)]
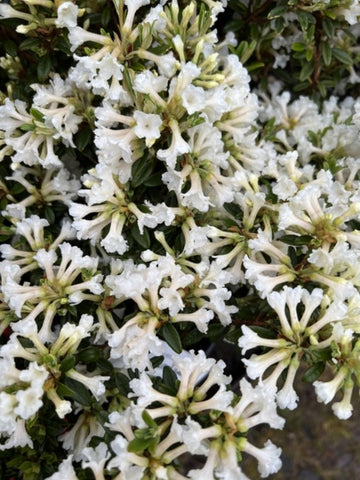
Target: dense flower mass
[(156, 196)]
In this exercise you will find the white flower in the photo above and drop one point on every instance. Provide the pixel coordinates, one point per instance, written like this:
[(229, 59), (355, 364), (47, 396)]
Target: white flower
[(193, 99), (66, 470), (95, 459), (326, 391), (132, 7), (133, 346), (29, 402), (343, 409), (251, 339), (94, 383), (268, 457), (147, 126), (178, 146)]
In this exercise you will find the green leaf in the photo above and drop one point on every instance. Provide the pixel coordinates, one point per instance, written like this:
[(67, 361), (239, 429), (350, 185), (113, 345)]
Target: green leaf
[(326, 53), (169, 377), (313, 372), (36, 114), (76, 390), (122, 383), (328, 27), (342, 56), (49, 214), (44, 67), (216, 331), (142, 239), (89, 355), (298, 47), (254, 66), (27, 127), (82, 138), (279, 24), (171, 336), (68, 363), (150, 422), (128, 81), (277, 12), (296, 240), (30, 43), (154, 180), (106, 16), (322, 354), (138, 445), (192, 337), (10, 47), (305, 19), (141, 171), (306, 71)]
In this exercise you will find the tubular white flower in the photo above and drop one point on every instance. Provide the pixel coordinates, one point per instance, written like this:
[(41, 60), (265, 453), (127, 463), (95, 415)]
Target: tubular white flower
[(94, 383), (147, 126), (67, 14), (326, 391), (178, 146), (132, 7), (66, 470), (268, 457), (251, 339), (257, 365), (343, 409)]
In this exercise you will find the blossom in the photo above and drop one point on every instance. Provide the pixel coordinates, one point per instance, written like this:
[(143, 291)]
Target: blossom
[(67, 15), (147, 126), (66, 470)]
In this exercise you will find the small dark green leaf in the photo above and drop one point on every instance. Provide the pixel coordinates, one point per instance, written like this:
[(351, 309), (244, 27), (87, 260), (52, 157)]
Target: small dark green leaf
[(138, 445), (44, 67), (82, 138), (328, 26), (279, 24), (154, 180), (150, 422), (75, 390), (142, 239), (313, 372), (89, 355), (30, 43), (49, 214), (169, 377), (298, 47), (27, 127), (342, 56), (36, 114), (296, 240), (105, 16), (326, 53), (128, 81), (322, 354), (254, 66), (192, 337), (141, 171), (216, 331), (10, 47), (306, 71), (171, 336), (305, 19), (68, 363), (277, 12), (122, 383)]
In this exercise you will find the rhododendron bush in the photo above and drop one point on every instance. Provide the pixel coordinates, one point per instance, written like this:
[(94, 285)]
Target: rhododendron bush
[(174, 174)]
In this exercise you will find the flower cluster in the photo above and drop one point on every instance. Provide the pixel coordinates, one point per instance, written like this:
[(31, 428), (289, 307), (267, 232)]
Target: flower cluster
[(153, 201)]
